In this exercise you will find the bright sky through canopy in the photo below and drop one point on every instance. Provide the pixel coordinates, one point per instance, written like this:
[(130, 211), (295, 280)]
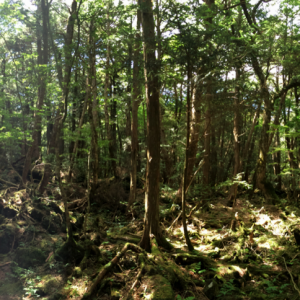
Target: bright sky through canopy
[(273, 6)]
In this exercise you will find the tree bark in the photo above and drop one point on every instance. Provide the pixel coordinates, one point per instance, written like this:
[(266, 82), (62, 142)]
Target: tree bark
[(42, 37), (136, 99), (59, 121), (153, 132)]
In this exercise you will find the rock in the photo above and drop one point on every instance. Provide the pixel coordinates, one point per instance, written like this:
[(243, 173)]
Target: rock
[(159, 288), (48, 285), (211, 289), (29, 256)]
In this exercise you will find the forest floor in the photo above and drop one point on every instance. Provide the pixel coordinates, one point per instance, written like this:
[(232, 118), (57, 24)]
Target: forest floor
[(245, 252)]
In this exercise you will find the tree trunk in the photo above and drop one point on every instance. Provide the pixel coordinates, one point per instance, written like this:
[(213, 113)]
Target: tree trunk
[(136, 99), (153, 132), (206, 167), (185, 182), (195, 129), (58, 124), (94, 114), (236, 133), (42, 35), (277, 161)]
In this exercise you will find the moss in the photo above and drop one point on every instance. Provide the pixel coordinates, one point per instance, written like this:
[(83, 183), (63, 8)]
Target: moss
[(77, 272), (178, 233), (160, 288), (48, 285), (29, 256)]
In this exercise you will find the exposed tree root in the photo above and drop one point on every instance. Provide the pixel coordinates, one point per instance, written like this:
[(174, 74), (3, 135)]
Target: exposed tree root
[(108, 267), (187, 259), (138, 277)]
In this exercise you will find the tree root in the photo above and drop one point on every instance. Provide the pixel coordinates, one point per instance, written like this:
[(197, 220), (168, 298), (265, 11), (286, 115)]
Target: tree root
[(9, 182), (295, 286), (138, 277), (108, 267), (187, 259)]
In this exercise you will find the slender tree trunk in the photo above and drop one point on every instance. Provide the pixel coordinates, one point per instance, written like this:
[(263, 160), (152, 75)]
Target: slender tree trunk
[(136, 99), (153, 132), (236, 133), (113, 130), (185, 182), (277, 161), (81, 120), (213, 156), (94, 114), (107, 85), (206, 167), (195, 129)]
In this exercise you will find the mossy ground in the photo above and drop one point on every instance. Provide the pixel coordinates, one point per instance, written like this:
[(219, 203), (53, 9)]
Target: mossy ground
[(245, 260)]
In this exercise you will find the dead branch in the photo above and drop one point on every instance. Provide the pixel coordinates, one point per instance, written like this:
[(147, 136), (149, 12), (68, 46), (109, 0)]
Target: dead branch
[(174, 221)]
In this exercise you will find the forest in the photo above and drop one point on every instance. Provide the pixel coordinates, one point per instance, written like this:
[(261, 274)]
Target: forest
[(149, 149)]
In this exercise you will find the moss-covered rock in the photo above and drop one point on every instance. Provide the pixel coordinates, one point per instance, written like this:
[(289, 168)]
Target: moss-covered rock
[(29, 256), (49, 285), (159, 288)]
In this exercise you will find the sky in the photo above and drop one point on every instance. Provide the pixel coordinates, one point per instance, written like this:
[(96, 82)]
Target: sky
[(273, 6)]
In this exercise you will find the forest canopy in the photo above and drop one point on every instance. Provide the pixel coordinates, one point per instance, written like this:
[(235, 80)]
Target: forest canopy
[(149, 113)]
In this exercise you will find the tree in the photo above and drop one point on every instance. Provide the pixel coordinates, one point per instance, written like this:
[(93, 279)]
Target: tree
[(153, 132)]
